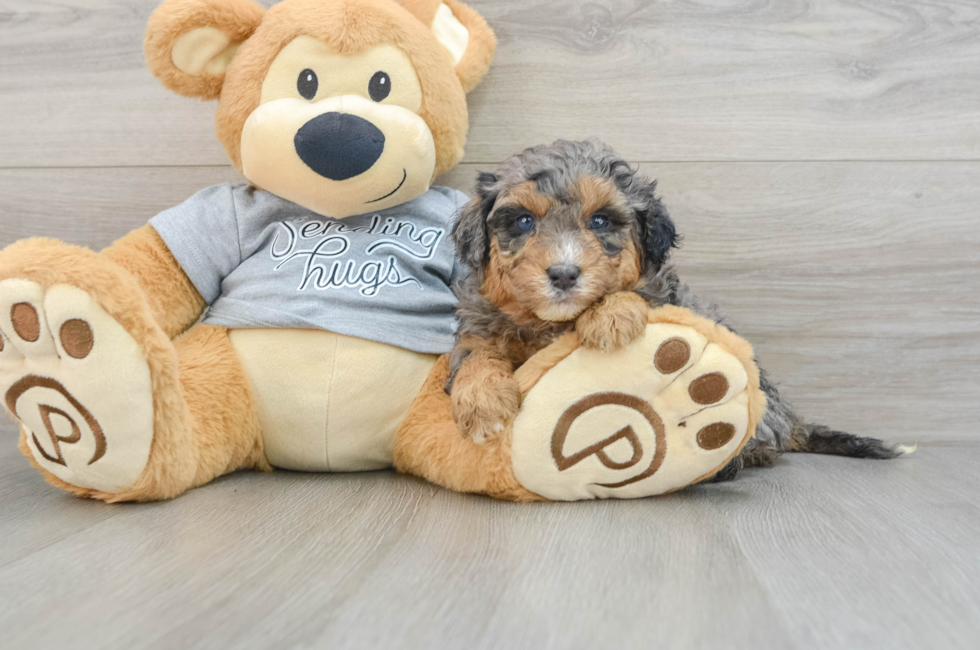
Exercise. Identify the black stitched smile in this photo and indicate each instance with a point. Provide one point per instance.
(404, 176)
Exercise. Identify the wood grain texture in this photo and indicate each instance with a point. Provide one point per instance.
(855, 282)
(722, 80)
(817, 553)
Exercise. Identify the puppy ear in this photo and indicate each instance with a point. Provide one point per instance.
(190, 43)
(657, 232)
(470, 233)
(462, 31)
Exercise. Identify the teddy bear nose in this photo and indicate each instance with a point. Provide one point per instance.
(339, 146)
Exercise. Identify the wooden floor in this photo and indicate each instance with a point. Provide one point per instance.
(821, 553)
(822, 159)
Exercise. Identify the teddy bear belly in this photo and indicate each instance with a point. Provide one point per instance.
(328, 402)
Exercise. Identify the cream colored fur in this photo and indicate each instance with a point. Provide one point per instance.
(205, 50)
(329, 402)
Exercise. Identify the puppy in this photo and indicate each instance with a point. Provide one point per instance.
(569, 236)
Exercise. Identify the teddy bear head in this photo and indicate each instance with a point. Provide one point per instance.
(341, 106)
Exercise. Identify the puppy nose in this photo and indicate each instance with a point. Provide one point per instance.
(564, 276)
(339, 146)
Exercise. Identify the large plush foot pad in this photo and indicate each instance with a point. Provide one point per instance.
(78, 384)
(666, 411)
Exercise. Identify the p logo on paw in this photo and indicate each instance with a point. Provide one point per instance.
(668, 410)
(588, 416)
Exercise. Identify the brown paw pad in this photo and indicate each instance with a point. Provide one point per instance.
(77, 338)
(672, 355)
(27, 324)
(709, 388)
(715, 436)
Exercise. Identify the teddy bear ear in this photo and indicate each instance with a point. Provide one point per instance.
(190, 43)
(462, 31)
(424, 10)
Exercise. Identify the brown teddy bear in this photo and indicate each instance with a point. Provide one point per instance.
(296, 321)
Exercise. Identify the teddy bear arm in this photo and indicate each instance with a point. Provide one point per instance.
(175, 302)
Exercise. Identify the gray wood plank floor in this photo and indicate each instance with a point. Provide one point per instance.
(817, 553)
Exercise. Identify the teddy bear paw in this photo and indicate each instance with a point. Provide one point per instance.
(666, 411)
(77, 383)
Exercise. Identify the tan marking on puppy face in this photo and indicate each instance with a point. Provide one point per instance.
(595, 193)
(526, 195)
(629, 267)
(523, 277)
(498, 287)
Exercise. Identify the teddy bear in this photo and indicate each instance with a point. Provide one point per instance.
(301, 320)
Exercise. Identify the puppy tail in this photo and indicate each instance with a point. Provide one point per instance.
(818, 439)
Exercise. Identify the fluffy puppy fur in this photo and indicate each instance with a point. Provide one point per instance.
(569, 236)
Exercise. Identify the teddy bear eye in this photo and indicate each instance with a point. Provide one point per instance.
(379, 86)
(307, 84)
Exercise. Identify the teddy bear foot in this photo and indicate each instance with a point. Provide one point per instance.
(77, 383)
(667, 411)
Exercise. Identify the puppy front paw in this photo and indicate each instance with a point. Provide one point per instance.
(484, 402)
(613, 323)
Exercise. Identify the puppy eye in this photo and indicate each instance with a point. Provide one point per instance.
(525, 223)
(379, 86)
(598, 222)
(307, 84)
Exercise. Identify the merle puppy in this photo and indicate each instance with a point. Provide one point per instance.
(555, 231)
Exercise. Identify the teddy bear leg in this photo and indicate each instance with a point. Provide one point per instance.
(223, 422)
(429, 445)
(109, 406)
(670, 409)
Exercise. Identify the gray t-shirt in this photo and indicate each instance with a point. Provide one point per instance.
(261, 261)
